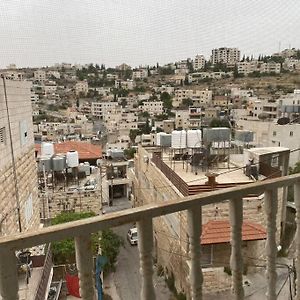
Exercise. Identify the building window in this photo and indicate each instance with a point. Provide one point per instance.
(291, 133)
(274, 133)
(2, 136)
(23, 132)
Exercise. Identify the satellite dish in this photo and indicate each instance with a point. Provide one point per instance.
(283, 121)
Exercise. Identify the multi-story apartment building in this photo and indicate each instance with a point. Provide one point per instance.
(228, 56)
(257, 66)
(125, 84)
(291, 64)
(81, 87)
(182, 119)
(39, 75)
(54, 74)
(13, 75)
(99, 109)
(50, 88)
(139, 74)
(123, 67)
(18, 180)
(270, 67)
(199, 97)
(263, 109)
(197, 76)
(199, 62)
(112, 76)
(289, 105)
(153, 107)
(247, 67)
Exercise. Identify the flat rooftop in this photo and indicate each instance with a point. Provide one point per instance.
(267, 150)
(196, 176)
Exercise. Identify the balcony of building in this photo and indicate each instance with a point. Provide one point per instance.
(81, 231)
(34, 270)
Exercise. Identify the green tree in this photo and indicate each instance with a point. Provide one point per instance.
(133, 133)
(146, 129)
(167, 100)
(110, 244)
(219, 123)
(52, 107)
(129, 153)
(64, 251)
(186, 103)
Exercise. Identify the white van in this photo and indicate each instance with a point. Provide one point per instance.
(132, 236)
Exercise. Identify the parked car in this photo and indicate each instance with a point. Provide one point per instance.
(72, 189)
(132, 236)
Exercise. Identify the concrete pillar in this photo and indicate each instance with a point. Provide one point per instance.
(145, 244)
(236, 258)
(8, 275)
(194, 219)
(297, 203)
(271, 207)
(84, 262)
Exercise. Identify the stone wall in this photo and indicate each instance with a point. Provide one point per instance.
(76, 202)
(21, 147)
(28, 199)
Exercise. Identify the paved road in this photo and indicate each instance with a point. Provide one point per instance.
(127, 278)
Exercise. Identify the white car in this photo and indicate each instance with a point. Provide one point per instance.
(132, 236)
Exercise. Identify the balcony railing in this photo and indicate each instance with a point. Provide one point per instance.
(81, 231)
(42, 287)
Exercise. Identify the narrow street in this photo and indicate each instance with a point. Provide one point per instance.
(125, 283)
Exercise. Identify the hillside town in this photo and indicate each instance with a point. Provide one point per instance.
(126, 145)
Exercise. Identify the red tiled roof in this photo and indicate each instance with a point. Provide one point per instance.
(217, 232)
(85, 150)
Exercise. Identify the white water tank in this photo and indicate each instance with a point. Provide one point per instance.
(47, 149)
(72, 159)
(178, 139)
(194, 138)
(158, 138)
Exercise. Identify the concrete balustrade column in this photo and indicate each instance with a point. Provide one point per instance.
(236, 258)
(8, 275)
(194, 219)
(145, 244)
(84, 262)
(271, 207)
(297, 203)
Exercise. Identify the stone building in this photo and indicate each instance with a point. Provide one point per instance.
(19, 208)
(159, 179)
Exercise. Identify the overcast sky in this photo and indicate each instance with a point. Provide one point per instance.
(43, 32)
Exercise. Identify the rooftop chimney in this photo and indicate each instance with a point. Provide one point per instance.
(211, 179)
